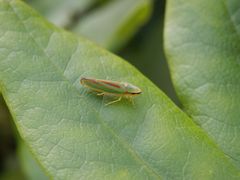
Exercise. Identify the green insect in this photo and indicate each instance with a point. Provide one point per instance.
(111, 88)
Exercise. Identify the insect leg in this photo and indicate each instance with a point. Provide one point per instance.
(100, 94)
(130, 98)
(119, 99)
(132, 101)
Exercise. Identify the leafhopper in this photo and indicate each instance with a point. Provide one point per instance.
(111, 88)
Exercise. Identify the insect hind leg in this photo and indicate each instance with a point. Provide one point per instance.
(111, 102)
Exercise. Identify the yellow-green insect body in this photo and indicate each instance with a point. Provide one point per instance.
(114, 88)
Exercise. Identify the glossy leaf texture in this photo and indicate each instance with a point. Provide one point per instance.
(71, 132)
(115, 23)
(203, 48)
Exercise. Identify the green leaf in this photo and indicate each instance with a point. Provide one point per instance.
(70, 131)
(115, 23)
(203, 46)
(60, 12)
(29, 165)
(147, 54)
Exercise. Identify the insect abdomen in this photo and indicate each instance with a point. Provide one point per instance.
(103, 86)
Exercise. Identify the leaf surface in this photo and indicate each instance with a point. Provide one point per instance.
(71, 132)
(29, 165)
(203, 46)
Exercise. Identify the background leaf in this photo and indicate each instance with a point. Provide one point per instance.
(61, 12)
(113, 24)
(70, 131)
(203, 46)
(145, 52)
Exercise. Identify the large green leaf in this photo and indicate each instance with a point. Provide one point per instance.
(70, 131)
(203, 46)
(115, 23)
